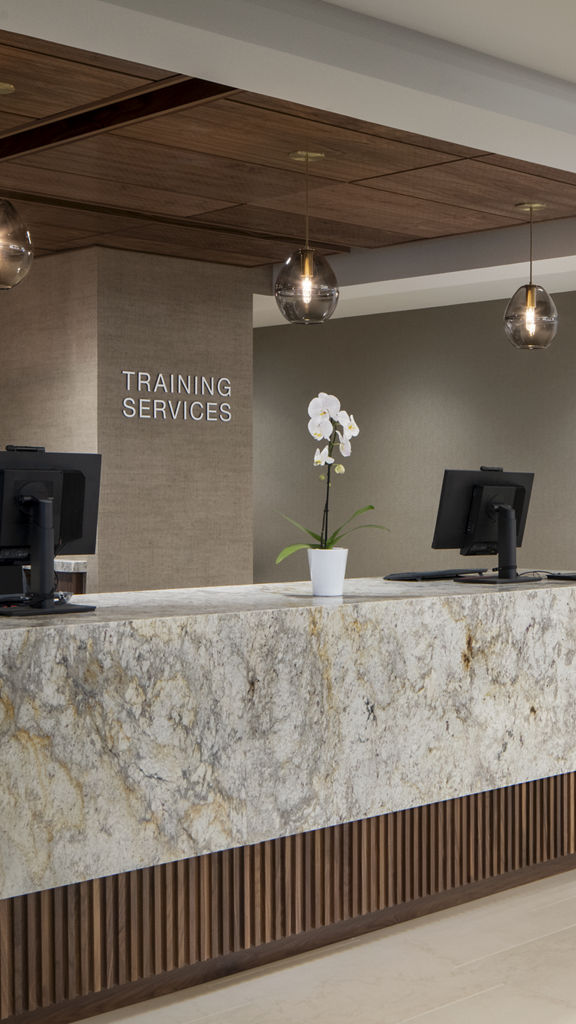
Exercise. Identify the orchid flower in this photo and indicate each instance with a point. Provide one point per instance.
(322, 458)
(322, 410)
(324, 404)
(321, 428)
(348, 423)
(345, 446)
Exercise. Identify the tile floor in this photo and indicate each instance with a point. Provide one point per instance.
(504, 959)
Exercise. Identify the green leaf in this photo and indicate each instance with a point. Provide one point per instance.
(291, 549)
(364, 526)
(337, 533)
(310, 533)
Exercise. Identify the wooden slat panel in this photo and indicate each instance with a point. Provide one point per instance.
(20, 956)
(95, 936)
(6, 959)
(123, 927)
(47, 949)
(147, 933)
(75, 941)
(194, 909)
(33, 950)
(204, 908)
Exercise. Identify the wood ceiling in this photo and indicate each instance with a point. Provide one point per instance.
(100, 151)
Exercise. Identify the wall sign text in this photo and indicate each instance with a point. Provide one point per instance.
(176, 396)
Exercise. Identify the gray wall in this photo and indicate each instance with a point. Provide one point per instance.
(430, 389)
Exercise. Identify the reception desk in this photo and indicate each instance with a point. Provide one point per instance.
(193, 781)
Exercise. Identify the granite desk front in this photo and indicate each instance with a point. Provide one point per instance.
(170, 724)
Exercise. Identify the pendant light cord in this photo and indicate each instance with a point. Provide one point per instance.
(531, 246)
(307, 243)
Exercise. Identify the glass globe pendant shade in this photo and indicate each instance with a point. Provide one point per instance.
(306, 288)
(16, 250)
(531, 318)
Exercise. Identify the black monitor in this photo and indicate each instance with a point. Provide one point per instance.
(483, 512)
(48, 507)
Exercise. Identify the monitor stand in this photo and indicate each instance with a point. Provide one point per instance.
(41, 600)
(507, 568)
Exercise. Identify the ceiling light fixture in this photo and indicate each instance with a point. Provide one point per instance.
(15, 246)
(306, 289)
(531, 318)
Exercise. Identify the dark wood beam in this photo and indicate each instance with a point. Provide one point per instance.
(126, 109)
(157, 218)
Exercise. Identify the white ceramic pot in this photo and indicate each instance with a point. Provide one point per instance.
(327, 571)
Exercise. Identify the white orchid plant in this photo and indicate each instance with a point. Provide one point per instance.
(328, 422)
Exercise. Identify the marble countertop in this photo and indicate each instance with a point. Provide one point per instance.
(133, 605)
(169, 724)
(69, 565)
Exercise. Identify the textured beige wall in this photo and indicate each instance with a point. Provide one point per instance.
(430, 389)
(49, 359)
(177, 494)
(48, 368)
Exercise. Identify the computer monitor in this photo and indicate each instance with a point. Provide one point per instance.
(48, 506)
(483, 512)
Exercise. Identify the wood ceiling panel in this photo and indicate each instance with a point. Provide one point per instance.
(403, 214)
(195, 238)
(257, 218)
(125, 161)
(352, 124)
(259, 136)
(87, 222)
(151, 101)
(47, 237)
(48, 85)
(15, 178)
(540, 170)
(186, 252)
(476, 185)
(224, 166)
(72, 53)
(10, 121)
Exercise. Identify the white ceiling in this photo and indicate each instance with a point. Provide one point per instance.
(537, 36)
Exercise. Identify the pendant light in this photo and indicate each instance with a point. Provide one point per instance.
(306, 288)
(531, 318)
(15, 246)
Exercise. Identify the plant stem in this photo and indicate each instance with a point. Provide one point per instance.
(324, 530)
